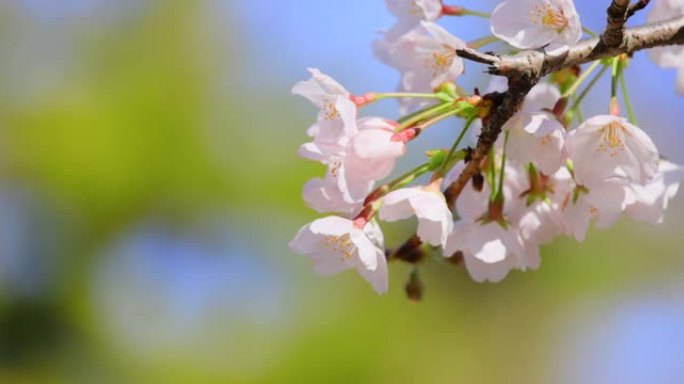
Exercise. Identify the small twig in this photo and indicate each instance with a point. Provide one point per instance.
(636, 7)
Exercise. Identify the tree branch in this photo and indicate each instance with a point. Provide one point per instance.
(636, 7)
(614, 34)
(670, 32)
(526, 69)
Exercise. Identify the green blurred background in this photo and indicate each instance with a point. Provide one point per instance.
(149, 185)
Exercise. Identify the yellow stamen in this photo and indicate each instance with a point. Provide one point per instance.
(547, 15)
(340, 245)
(439, 62)
(613, 139)
(330, 111)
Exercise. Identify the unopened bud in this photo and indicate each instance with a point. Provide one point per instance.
(362, 100)
(414, 287)
(478, 182)
(452, 10)
(614, 106)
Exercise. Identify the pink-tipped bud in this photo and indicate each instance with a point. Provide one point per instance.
(452, 10)
(614, 107)
(362, 100)
(406, 135)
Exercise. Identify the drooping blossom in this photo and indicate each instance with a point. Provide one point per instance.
(375, 149)
(324, 195)
(335, 244)
(410, 13)
(606, 146)
(602, 204)
(489, 250)
(337, 116)
(536, 138)
(669, 56)
(531, 24)
(653, 198)
(425, 56)
(435, 221)
(367, 156)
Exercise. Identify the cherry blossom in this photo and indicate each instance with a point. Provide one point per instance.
(335, 244)
(530, 24)
(653, 198)
(536, 138)
(603, 203)
(337, 116)
(435, 221)
(604, 145)
(489, 250)
(539, 180)
(324, 195)
(425, 56)
(375, 149)
(410, 13)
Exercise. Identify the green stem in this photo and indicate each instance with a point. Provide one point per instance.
(481, 42)
(438, 118)
(397, 95)
(445, 164)
(586, 90)
(589, 32)
(499, 194)
(583, 77)
(423, 114)
(409, 176)
(615, 72)
(469, 12)
(625, 95)
(491, 174)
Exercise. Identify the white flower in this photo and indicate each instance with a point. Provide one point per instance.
(542, 96)
(536, 138)
(602, 203)
(426, 56)
(336, 244)
(337, 117)
(365, 157)
(410, 13)
(490, 251)
(543, 220)
(374, 149)
(324, 195)
(608, 146)
(653, 198)
(435, 221)
(670, 56)
(530, 24)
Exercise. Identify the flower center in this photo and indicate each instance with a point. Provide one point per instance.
(414, 9)
(439, 62)
(335, 166)
(330, 111)
(612, 139)
(340, 245)
(547, 15)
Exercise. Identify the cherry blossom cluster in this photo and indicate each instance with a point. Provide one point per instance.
(551, 172)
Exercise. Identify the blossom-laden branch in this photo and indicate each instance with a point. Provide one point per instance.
(509, 195)
(525, 70)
